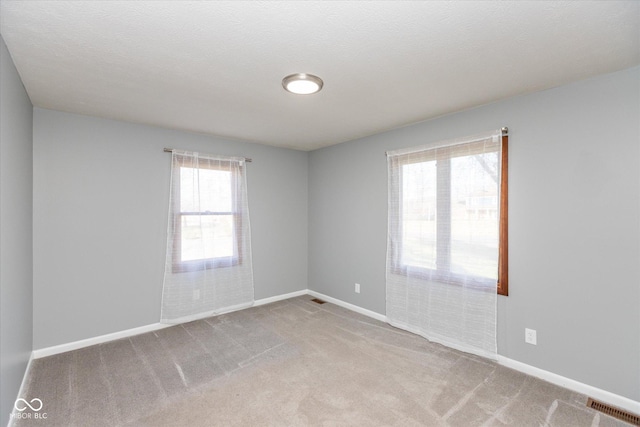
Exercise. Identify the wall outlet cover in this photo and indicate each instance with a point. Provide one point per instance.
(530, 336)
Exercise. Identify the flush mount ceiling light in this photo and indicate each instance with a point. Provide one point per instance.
(302, 84)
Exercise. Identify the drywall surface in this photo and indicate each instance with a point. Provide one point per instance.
(101, 191)
(574, 209)
(16, 256)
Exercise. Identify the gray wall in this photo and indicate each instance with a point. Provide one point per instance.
(574, 181)
(16, 208)
(100, 218)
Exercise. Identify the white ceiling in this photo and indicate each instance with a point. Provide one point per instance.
(216, 67)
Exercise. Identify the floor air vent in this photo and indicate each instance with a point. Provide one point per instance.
(318, 301)
(612, 411)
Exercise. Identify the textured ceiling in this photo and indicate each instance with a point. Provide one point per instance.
(216, 67)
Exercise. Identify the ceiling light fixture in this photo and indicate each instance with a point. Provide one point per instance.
(302, 83)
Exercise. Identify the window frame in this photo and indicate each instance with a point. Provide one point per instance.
(441, 274)
(179, 266)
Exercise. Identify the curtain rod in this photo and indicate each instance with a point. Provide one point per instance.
(170, 150)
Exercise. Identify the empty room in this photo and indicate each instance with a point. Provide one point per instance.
(320, 213)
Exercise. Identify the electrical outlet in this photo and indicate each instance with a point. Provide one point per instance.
(530, 336)
(357, 288)
(196, 294)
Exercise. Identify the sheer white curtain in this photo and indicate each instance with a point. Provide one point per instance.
(208, 260)
(443, 241)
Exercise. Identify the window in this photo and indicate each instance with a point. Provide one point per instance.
(208, 264)
(451, 214)
(207, 216)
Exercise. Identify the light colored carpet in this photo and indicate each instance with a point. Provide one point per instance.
(292, 363)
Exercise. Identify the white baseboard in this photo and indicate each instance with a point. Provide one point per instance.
(212, 313)
(62, 348)
(352, 307)
(277, 298)
(591, 391)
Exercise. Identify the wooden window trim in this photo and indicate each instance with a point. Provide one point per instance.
(503, 255)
